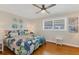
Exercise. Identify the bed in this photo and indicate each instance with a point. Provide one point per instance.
(23, 43)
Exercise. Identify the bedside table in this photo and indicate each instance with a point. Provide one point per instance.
(1, 45)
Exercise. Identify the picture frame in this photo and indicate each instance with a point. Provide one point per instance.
(73, 24)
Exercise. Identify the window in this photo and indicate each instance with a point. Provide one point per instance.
(48, 25)
(56, 24)
(59, 24)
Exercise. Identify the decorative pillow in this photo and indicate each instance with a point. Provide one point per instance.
(23, 32)
(12, 34)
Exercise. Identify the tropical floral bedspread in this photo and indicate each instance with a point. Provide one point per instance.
(24, 46)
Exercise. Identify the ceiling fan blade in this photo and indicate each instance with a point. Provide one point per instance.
(38, 12)
(51, 6)
(36, 6)
(43, 6)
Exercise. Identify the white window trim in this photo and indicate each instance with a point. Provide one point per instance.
(65, 24)
(43, 24)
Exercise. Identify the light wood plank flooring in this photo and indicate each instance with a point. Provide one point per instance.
(49, 49)
(53, 49)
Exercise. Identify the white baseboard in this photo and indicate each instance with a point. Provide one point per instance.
(68, 44)
(73, 45)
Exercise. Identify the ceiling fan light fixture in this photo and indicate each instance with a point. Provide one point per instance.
(43, 11)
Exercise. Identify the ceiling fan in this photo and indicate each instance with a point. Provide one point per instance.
(43, 8)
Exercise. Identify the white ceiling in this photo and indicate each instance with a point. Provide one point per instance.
(28, 10)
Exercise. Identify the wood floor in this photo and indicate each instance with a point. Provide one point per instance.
(7, 52)
(49, 49)
(53, 49)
